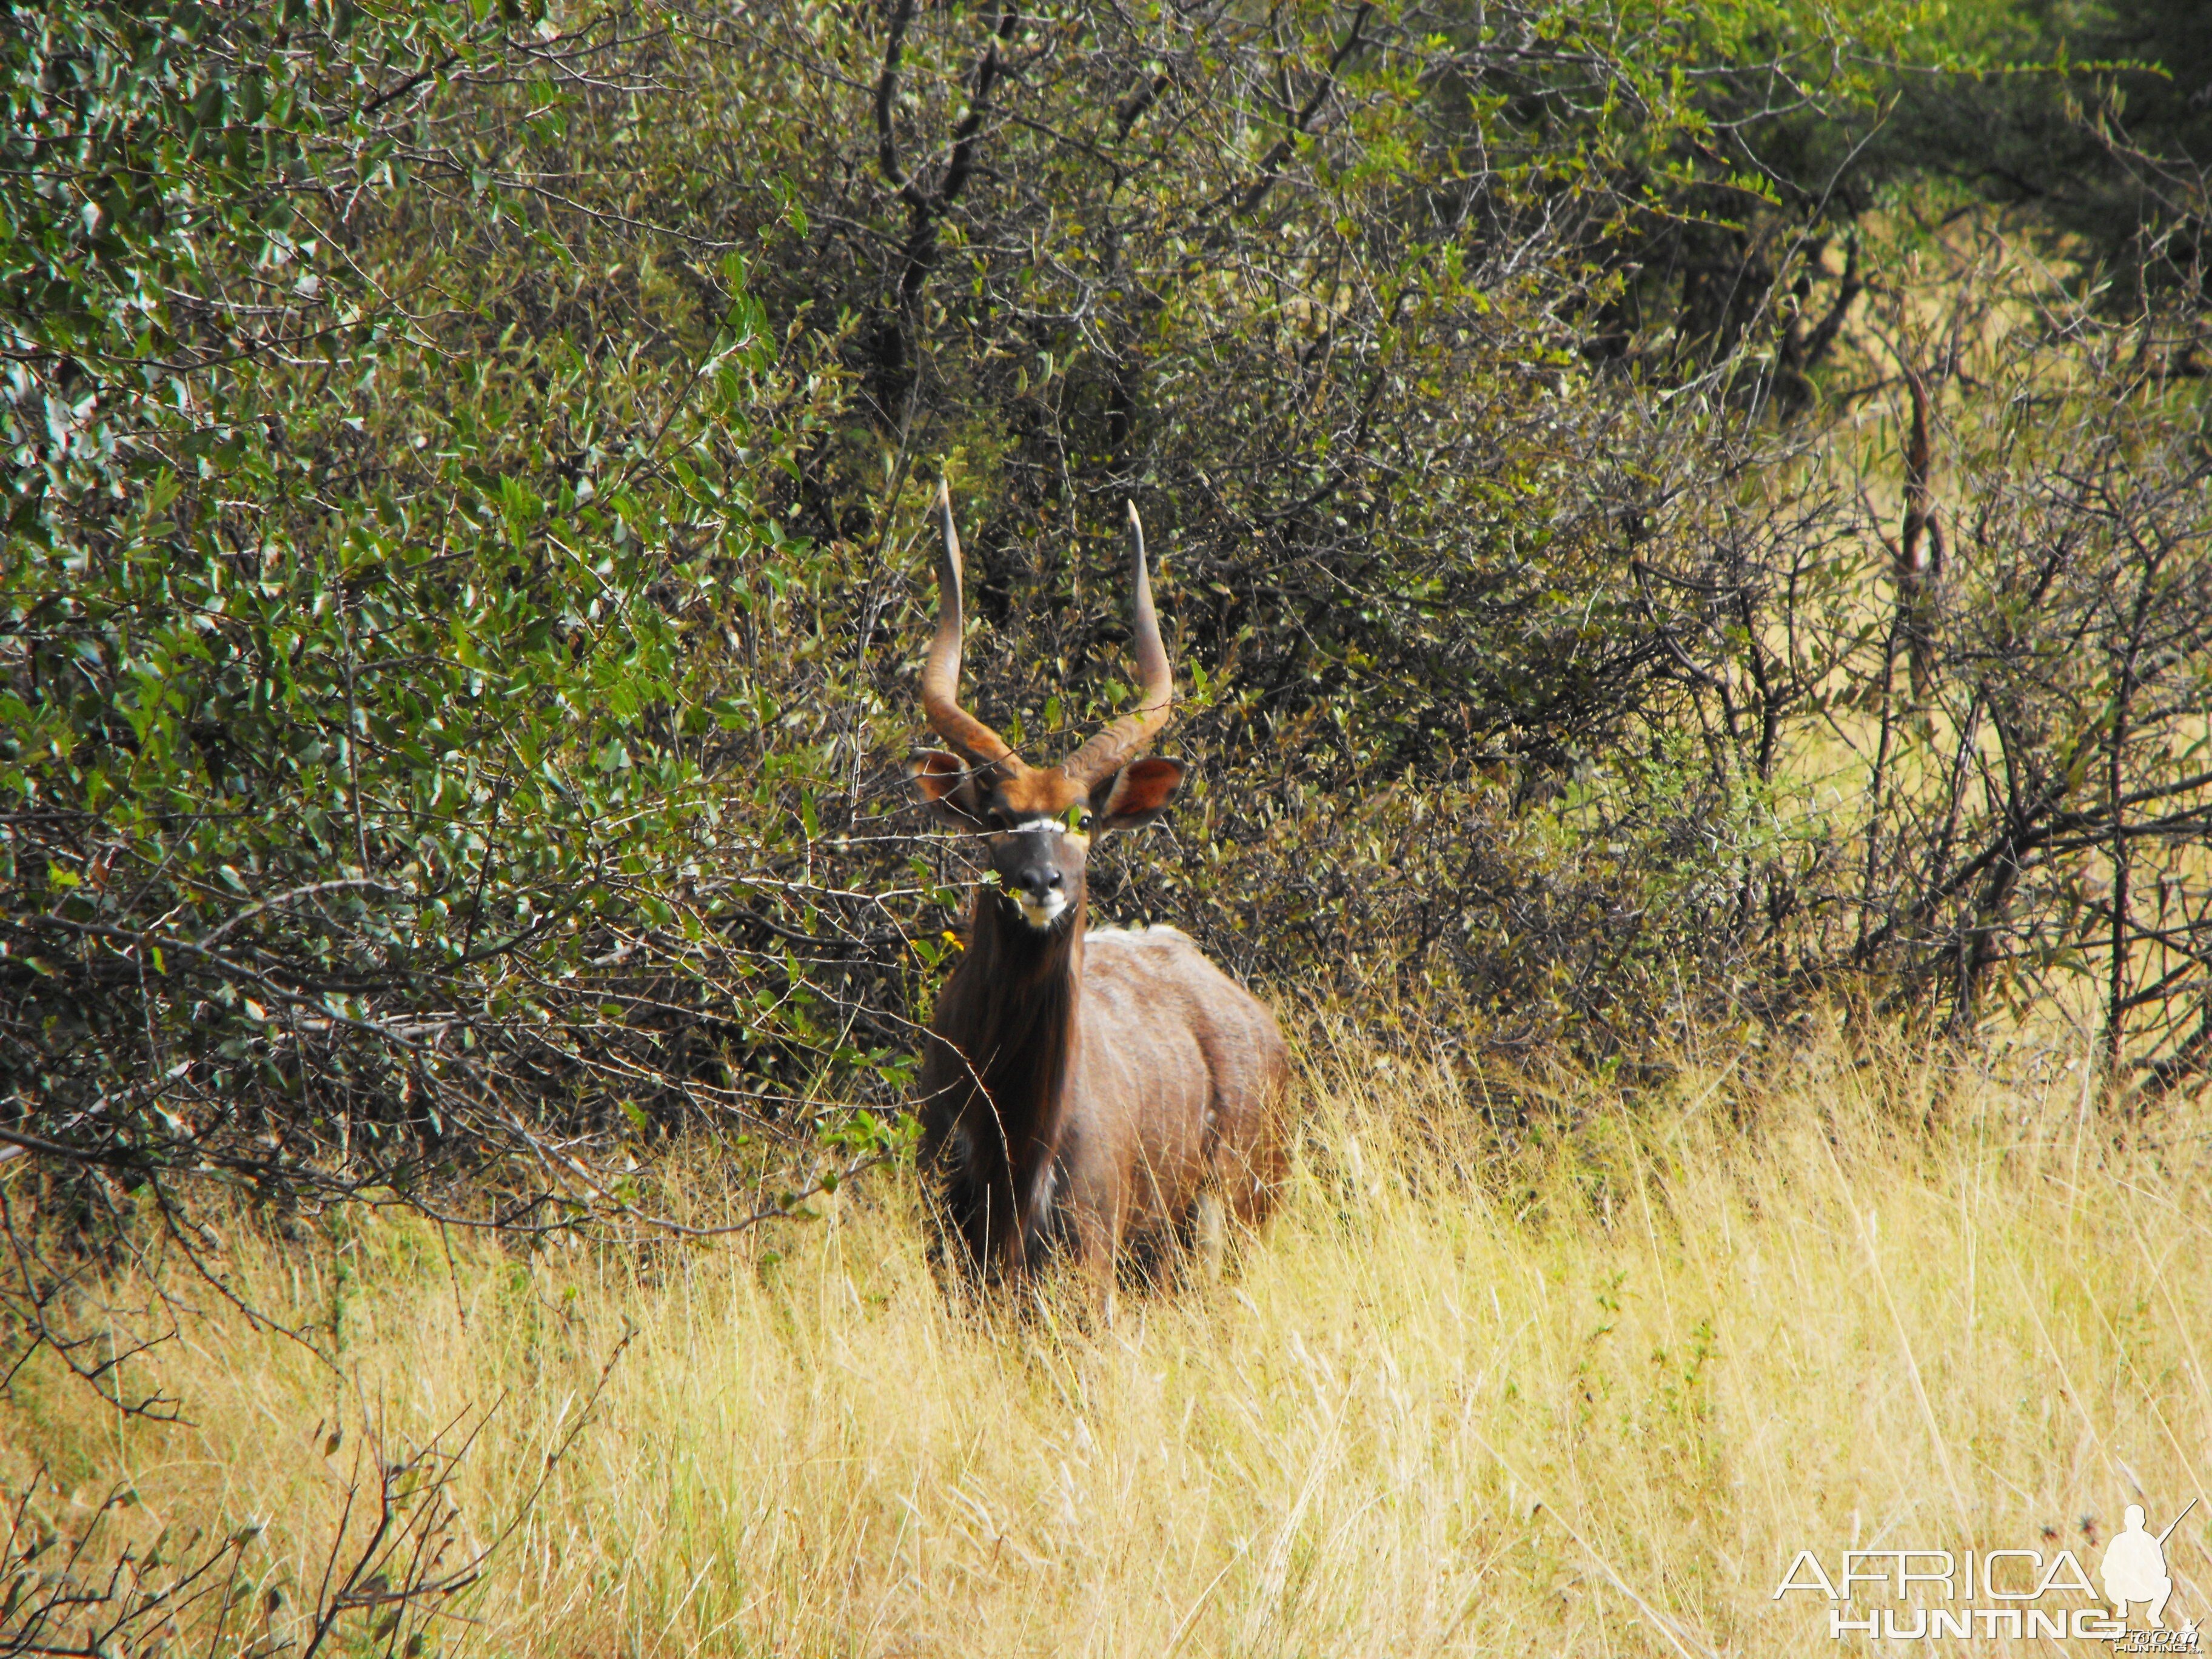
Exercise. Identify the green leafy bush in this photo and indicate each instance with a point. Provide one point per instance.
(391, 787)
(467, 535)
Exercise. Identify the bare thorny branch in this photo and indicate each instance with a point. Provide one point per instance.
(397, 1557)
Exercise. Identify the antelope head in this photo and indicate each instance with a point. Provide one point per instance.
(1037, 822)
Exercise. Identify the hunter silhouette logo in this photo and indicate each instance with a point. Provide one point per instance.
(2134, 1568)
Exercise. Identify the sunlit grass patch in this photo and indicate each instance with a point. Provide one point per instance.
(1590, 1393)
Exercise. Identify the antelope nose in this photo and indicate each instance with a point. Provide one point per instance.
(1037, 883)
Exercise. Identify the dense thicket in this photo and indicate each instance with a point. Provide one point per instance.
(1645, 537)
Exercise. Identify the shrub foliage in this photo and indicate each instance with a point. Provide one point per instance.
(1626, 559)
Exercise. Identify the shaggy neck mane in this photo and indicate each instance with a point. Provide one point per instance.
(1015, 1001)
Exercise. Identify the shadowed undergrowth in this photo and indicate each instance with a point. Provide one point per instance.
(1590, 1394)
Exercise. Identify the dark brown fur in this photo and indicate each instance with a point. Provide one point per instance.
(1112, 1092)
(1092, 1090)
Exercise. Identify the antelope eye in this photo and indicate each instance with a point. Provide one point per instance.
(1078, 819)
(994, 819)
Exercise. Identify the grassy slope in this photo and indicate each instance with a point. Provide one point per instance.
(1440, 1408)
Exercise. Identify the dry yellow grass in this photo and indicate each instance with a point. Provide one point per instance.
(1590, 1402)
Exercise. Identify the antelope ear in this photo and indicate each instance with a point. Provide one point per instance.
(1137, 793)
(948, 785)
